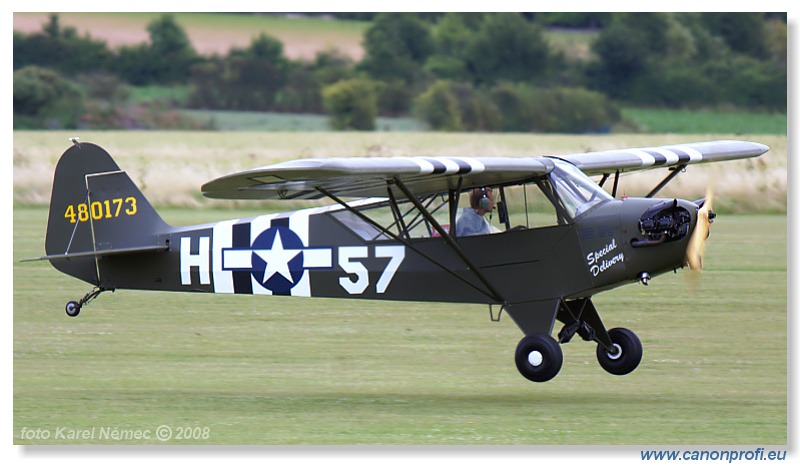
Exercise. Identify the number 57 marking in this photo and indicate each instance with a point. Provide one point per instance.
(348, 260)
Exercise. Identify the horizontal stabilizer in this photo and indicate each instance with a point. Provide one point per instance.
(98, 253)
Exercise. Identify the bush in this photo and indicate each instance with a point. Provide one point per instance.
(167, 59)
(438, 107)
(449, 106)
(396, 46)
(394, 98)
(247, 79)
(737, 80)
(573, 110)
(61, 49)
(478, 111)
(506, 47)
(515, 102)
(746, 82)
(351, 104)
(44, 99)
(674, 87)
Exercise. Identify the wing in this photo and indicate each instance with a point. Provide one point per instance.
(369, 176)
(626, 160)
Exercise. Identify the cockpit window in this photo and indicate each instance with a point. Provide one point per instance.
(554, 199)
(576, 191)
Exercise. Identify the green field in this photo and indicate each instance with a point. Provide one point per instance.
(683, 121)
(278, 121)
(651, 121)
(256, 370)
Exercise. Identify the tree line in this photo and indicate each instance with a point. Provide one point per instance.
(455, 71)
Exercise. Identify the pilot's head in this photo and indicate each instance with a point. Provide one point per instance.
(481, 200)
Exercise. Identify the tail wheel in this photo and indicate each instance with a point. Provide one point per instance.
(539, 357)
(72, 309)
(628, 352)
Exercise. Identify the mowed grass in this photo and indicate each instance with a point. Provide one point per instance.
(258, 370)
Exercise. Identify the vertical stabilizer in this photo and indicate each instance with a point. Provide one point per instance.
(95, 206)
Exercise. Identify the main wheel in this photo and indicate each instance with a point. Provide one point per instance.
(538, 357)
(628, 352)
(72, 309)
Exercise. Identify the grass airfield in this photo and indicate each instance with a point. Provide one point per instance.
(243, 370)
(289, 371)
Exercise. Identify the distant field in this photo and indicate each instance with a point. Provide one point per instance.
(275, 121)
(275, 371)
(171, 166)
(644, 120)
(215, 33)
(706, 121)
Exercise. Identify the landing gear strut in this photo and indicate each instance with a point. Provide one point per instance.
(73, 308)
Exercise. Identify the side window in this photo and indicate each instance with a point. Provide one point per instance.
(403, 219)
(359, 226)
(415, 222)
(529, 207)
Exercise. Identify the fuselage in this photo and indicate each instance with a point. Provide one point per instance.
(322, 252)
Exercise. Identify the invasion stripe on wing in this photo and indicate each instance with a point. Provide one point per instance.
(694, 154)
(647, 159)
(683, 157)
(659, 158)
(670, 156)
(448, 165)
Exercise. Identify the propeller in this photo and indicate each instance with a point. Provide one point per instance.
(697, 244)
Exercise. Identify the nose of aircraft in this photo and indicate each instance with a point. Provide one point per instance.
(666, 221)
(664, 227)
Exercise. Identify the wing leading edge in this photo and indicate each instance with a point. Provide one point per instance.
(369, 176)
(627, 160)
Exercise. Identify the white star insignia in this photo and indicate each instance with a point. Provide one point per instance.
(277, 259)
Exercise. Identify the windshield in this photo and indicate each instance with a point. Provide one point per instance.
(577, 192)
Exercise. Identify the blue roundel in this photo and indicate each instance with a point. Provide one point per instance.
(277, 259)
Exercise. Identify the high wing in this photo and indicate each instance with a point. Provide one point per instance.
(368, 176)
(627, 160)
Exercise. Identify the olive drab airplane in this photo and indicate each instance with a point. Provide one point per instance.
(391, 233)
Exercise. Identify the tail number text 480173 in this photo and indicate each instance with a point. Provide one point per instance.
(97, 210)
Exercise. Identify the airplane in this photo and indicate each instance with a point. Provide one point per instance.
(559, 239)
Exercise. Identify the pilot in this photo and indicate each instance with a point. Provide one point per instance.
(472, 221)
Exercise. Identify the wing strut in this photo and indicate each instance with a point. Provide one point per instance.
(494, 294)
(675, 171)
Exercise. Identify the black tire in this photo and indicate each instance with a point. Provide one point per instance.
(72, 309)
(539, 357)
(628, 357)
